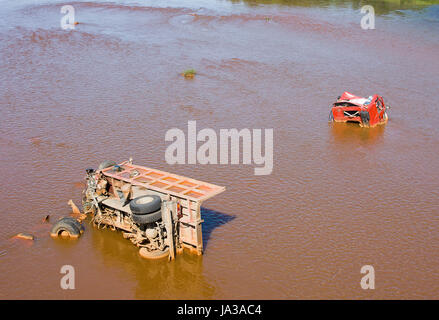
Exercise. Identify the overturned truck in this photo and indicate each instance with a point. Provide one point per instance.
(158, 211)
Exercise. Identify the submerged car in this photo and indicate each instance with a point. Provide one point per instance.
(368, 112)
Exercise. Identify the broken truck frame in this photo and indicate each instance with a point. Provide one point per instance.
(111, 189)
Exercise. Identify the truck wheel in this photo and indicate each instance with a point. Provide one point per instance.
(157, 254)
(147, 218)
(74, 222)
(145, 204)
(106, 164)
(65, 227)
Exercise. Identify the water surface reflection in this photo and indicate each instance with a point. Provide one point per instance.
(352, 133)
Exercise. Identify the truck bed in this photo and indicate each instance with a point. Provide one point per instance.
(164, 182)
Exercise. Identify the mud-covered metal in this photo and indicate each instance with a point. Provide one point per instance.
(164, 182)
(176, 224)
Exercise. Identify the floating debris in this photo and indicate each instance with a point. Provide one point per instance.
(75, 209)
(189, 74)
(24, 236)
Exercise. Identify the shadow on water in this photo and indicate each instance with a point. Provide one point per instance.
(212, 219)
(352, 133)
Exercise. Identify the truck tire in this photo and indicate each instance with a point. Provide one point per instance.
(75, 222)
(145, 204)
(147, 218)
(157, 254)
(64, 225)
(106, 164)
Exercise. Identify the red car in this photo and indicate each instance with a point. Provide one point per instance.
(368, 112)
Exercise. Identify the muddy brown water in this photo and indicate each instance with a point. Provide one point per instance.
(339, 197)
